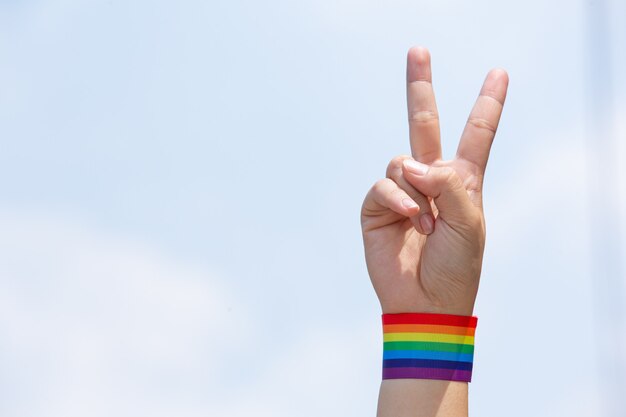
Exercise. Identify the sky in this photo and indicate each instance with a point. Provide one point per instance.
(180, 187)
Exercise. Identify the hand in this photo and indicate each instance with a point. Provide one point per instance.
(423, 225)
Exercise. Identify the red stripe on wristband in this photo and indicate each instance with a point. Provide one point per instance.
(430, 318)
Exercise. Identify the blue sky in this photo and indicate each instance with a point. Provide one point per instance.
(180, 187)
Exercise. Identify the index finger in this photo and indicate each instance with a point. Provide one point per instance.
(483, 120)
(422, 108)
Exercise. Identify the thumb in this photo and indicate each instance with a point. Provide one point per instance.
(444, 185)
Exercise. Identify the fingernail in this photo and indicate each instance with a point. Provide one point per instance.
(408, 203)
(427, 223)
(415, 167)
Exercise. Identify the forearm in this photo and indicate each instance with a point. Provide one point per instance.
(422, 398)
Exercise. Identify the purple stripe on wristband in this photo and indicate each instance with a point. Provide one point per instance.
(427, 373)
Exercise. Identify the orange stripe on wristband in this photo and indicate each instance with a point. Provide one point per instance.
(428, 328)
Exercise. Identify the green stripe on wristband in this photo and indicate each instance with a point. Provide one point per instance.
(434, 346)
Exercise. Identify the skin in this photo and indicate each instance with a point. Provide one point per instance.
(424, 228)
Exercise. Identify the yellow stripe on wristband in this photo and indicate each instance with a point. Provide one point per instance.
(428, 337)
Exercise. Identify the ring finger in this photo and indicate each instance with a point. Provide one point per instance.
(424, 221)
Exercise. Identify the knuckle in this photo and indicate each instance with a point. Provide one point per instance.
(482, 124)
(423, 116)
(380, 186)
(395, 165)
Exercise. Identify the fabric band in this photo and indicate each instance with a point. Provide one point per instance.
(428, 346)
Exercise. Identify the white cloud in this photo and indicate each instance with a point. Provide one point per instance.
(95, 323)
(98, 324)
(332, 371)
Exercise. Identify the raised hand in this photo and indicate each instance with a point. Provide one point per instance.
(423, 225)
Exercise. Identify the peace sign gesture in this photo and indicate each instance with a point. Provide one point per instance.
(423, 225)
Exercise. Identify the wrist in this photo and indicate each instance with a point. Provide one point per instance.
(460, 309)
(428, 293)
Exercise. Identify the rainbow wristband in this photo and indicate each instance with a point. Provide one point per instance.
(428, 346)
